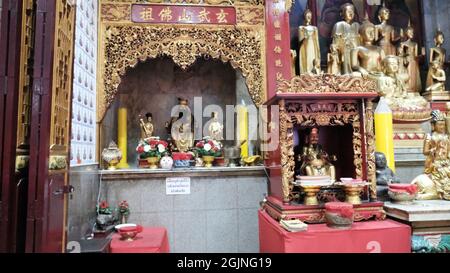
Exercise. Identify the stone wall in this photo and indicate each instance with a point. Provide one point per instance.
(220, 214)
(82, 203)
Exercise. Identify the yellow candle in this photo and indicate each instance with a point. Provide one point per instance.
(122, 137)
(384, 137)
(242, 115)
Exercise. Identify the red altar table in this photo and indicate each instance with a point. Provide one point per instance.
(365, 237)
(150, 240)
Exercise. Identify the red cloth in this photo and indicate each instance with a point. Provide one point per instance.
(150, 240)
(364, 237)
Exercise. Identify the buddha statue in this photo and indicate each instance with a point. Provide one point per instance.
(317, 70)
(146, 126)
(346, 36)
(385, 176)
(385, 35)
(393, 85)
(293, 61)
(184, 139)
(436, 73)
(215, 128)
(436, 78)
(309, 51)
(334, 61)
(411, 53)
(315, 161)
(366, 58)
(435, 183)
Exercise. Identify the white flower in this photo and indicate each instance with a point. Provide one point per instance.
(147, 148)
(161, 148)
(207, 147)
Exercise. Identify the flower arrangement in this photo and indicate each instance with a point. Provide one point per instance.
(209, 147)
(103, 208)
(152, 148)
(124, 208)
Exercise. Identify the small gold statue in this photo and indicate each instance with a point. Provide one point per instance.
(293, 61)
(309, 51)
(385, 35)
(435, 183)
(366, 58)
(317, 70)
(184, 139)
(438, 53)
(315, 161)
(334, 61)
(436, 78)
(146, 126)
(215, 128)
(411, 53)
(346, 36)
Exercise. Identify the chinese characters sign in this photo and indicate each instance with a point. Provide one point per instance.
(170, 14)
(278, 44)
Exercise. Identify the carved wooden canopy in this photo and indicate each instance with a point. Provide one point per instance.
(124, 44)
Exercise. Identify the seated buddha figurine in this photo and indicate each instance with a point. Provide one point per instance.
(385, 176)
(366, 58)
(315, 161)
(436, 78)
(435, 183)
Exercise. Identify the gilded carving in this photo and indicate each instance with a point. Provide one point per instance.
(198, 2)
(370, 139)
(326, 83)
(62, 71)
(115, 12)
(250, 15)
(126, 45)
(287, 153)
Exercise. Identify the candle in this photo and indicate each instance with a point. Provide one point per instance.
(122, 137)
(384, 137)
(242, 115)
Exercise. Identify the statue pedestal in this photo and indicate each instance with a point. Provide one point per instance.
(425, 217)
(437, 96)
(408, 135)
(430, 223)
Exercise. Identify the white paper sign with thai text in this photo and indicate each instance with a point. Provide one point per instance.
(178, 185)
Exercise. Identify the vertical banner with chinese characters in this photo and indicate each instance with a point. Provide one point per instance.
(183, 14)
(278, 44)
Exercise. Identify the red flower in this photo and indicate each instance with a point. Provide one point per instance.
(104, 205)
(200, 145)
(211, 143)
(140, 149)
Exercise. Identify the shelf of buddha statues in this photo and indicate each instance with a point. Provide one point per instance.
(182, 172)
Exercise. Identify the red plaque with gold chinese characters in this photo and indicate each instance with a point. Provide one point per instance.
(182, 14)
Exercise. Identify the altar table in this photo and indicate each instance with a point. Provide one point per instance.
(364, 237)
(150, 240)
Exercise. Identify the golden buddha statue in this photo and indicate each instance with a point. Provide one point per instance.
(334, 61)
(146, 126)
(184, 139)
(315, 161)
(411, 53)
(437, 55)
(215, 128)
(385, 35)
(393, 84)
(366, 58)
(309, 51)
(436, 78)
(346, 36)
(293, 61)
(435, 183)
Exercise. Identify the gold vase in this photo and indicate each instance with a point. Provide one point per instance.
(153, 162)
(311, 195)
(208, 160)
(352, 194)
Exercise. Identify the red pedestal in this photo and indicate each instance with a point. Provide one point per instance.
(365, 237)
(150, 240)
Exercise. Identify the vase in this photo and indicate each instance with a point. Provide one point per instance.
(123, 219)
(153, 162)
(208, 160)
